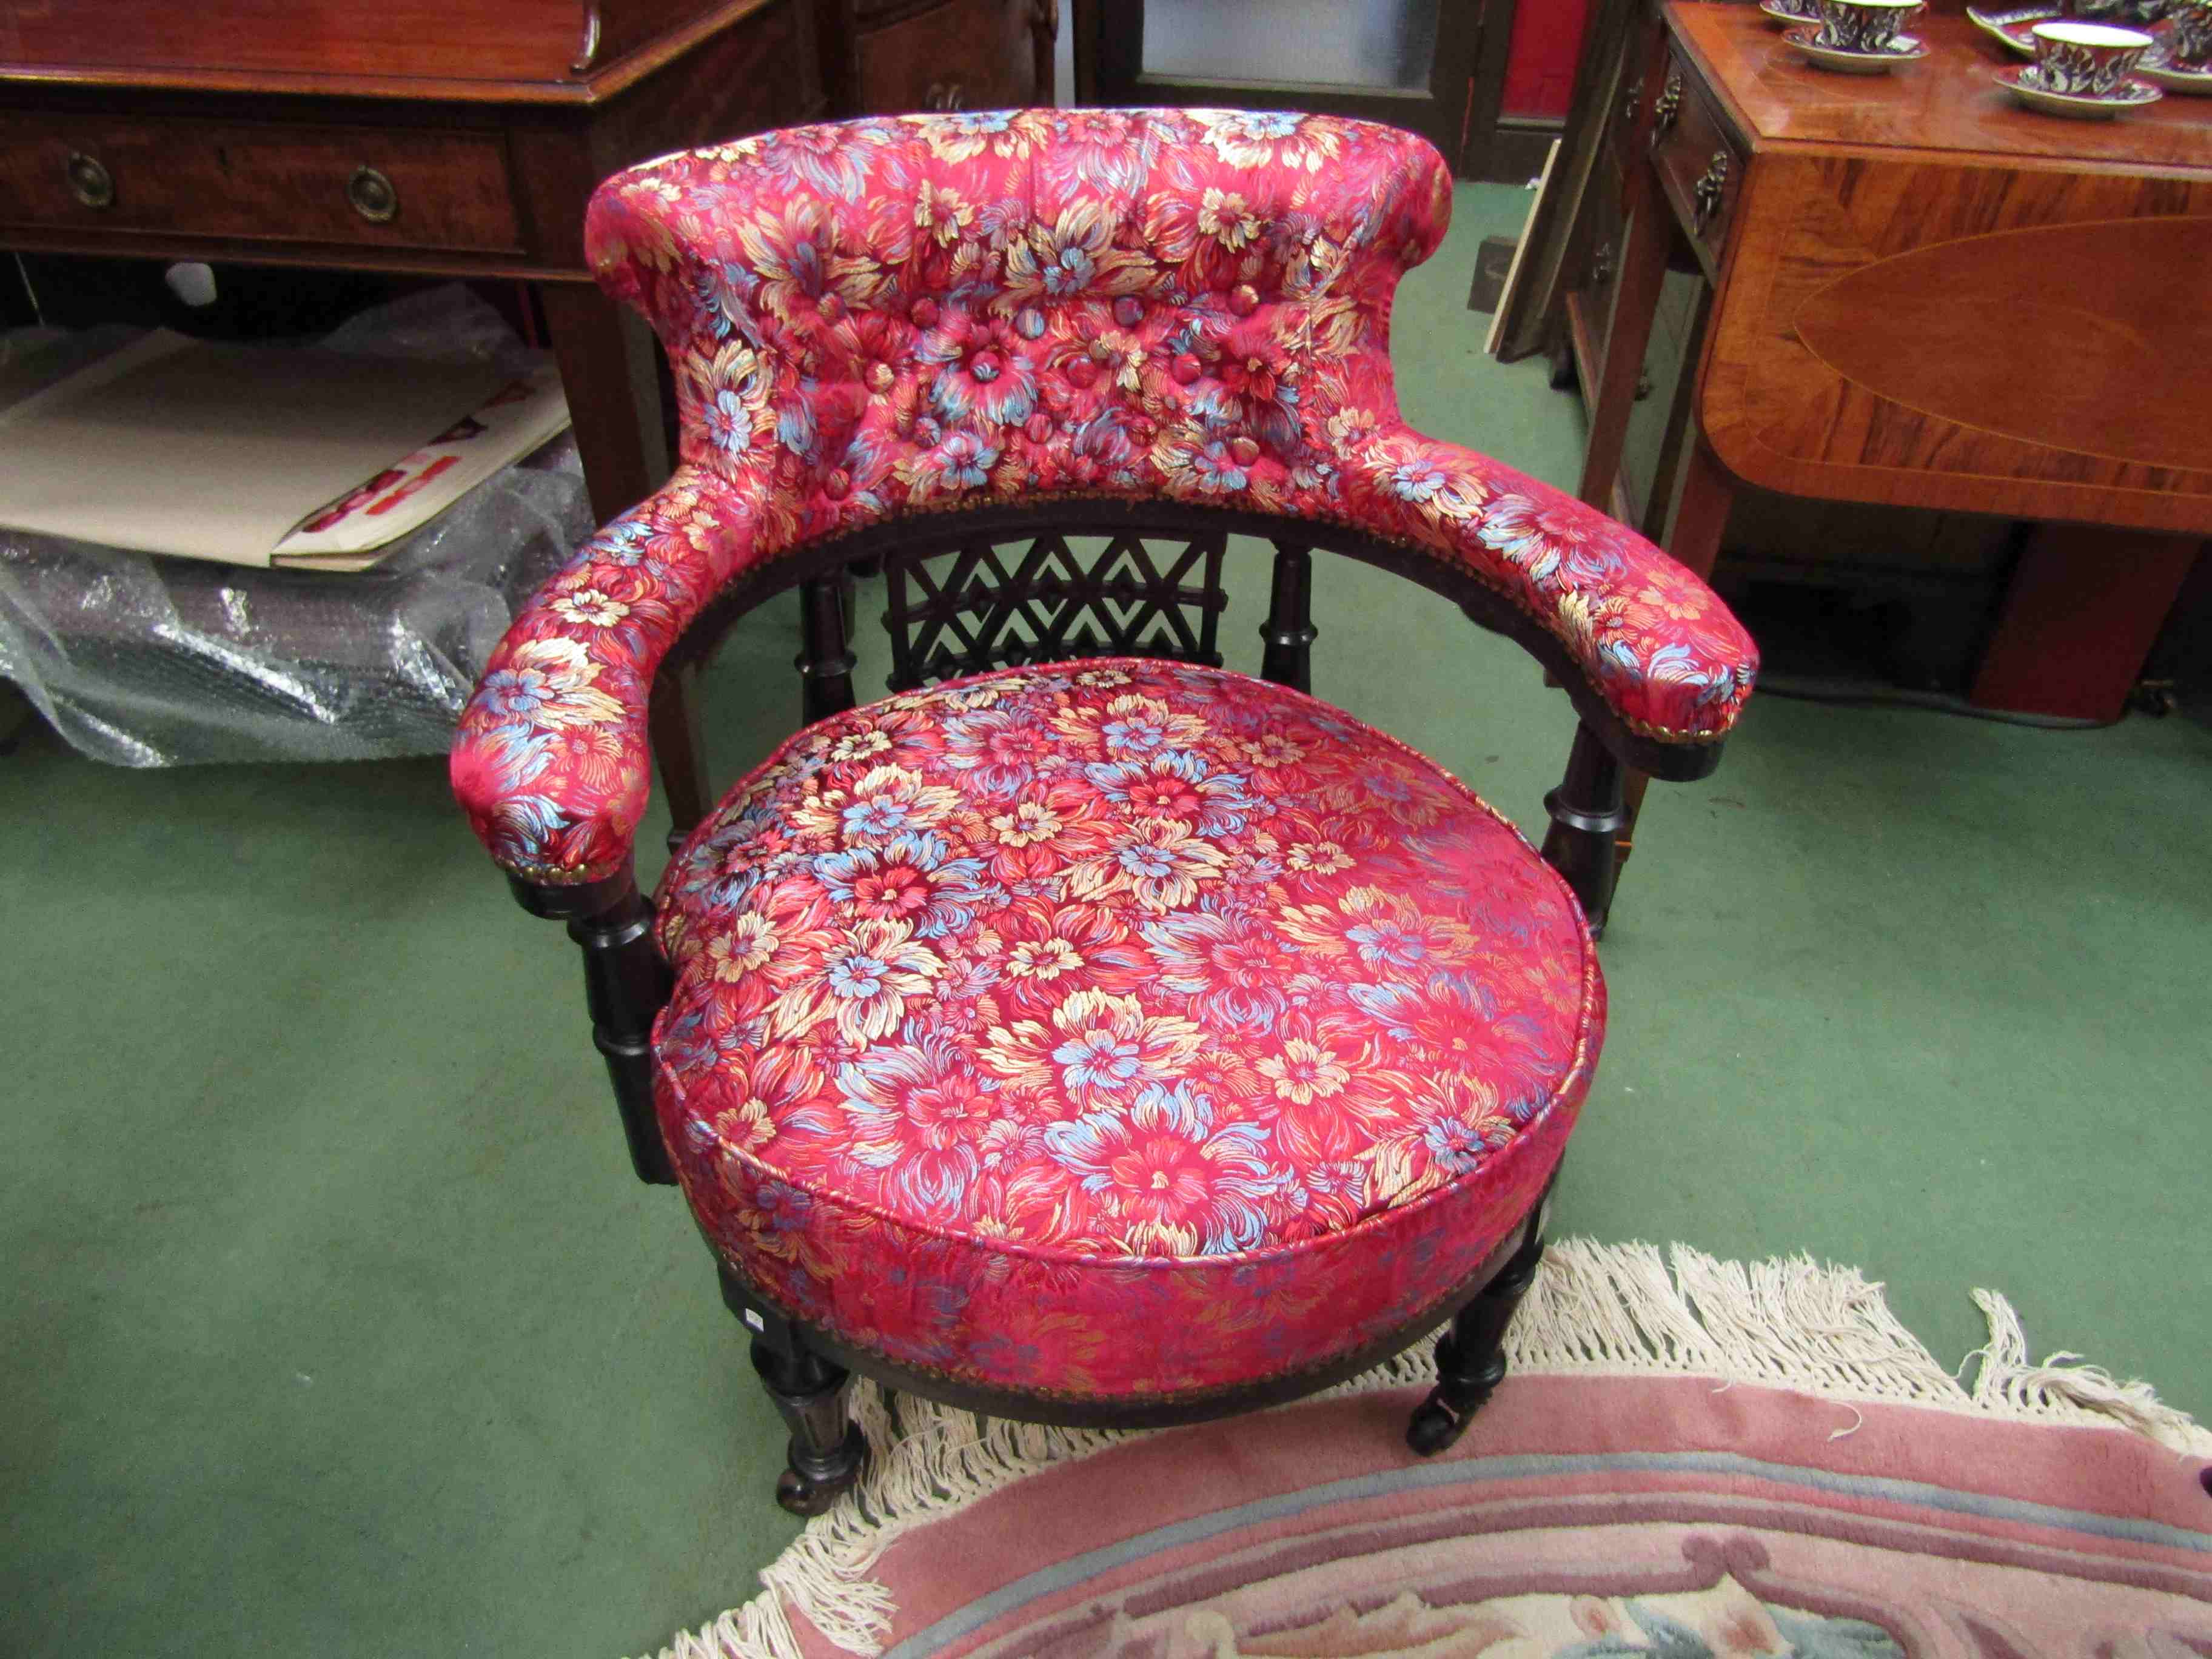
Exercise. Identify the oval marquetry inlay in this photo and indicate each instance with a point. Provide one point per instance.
(2095, 338)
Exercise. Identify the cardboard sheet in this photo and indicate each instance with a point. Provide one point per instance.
(217, 452)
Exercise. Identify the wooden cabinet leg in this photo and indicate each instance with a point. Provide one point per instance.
(1644, 242)
(2082, 611)
(1693, 535)
(1679, 446)
(609, 370)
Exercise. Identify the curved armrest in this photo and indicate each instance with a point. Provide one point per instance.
(551, 762)
(1659, 645)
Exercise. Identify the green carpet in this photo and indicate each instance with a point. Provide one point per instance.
(336, 1325)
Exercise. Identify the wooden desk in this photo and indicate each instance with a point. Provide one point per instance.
(1921, 294)
(451, 137)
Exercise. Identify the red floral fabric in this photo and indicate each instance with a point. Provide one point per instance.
(920, 314)
(1121, 1029)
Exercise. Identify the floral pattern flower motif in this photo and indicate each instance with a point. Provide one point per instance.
(918, 312)
(1047, 1044)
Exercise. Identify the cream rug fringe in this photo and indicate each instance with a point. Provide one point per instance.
(1596, 1310)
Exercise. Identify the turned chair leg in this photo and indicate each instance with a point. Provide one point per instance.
(1471, 1356)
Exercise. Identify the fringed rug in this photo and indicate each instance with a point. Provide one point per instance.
(1718, 1460)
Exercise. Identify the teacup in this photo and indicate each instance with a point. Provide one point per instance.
(2127, 13)
(1864, 25)
(2086, 60)
(2189, 34)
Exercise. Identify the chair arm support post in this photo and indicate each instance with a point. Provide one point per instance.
(825, 660)
(1587, 816)
(1289, 632)
(626, 985)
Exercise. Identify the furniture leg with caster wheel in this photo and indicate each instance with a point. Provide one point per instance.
(1471, 1356)
(827, 1448)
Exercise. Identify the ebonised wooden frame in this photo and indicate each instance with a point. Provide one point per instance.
(1054, 592)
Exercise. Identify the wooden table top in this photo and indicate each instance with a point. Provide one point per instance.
(1948, 101)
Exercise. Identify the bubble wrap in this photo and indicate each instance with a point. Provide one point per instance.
(146, 661)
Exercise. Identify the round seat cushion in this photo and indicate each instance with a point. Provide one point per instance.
(1120, 1029)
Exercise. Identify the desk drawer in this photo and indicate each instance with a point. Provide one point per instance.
(1699, 165)
(266, 181)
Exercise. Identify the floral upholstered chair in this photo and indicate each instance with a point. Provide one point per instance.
(1084, 1033)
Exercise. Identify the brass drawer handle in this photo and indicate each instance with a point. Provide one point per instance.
(945, 95)
(1634, 97)
(1602, 265)
(89, 182)
(1669, 109)
(1705, 195)
(372, 196)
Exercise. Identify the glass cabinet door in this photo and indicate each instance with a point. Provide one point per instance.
(1379, 44)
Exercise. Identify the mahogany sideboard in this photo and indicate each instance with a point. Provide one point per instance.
(455, 138)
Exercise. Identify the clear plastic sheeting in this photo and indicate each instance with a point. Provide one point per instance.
(145, 661)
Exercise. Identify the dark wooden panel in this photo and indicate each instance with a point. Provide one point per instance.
(258, 179)
(967, 54)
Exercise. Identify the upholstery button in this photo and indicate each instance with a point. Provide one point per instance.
(1185, 369)
(1030, 323)
(1038, 428)
(1082, 374)
(1244, 450)
(1244, 299)
(880, 377)
(924, 312)
(838, 485)
(1128, 310)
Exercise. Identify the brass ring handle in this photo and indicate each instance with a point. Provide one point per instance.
(945, 95)
(1635, 96)
(89, 182)
(1665, 113)
(1705, 195)
(372, 196)
(1602, 265)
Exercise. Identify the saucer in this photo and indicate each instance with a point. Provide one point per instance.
(2196, 82)
(1777, 13)
(2014, 27)
(1899, 49)
(2010, 25)
(2131, 94)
